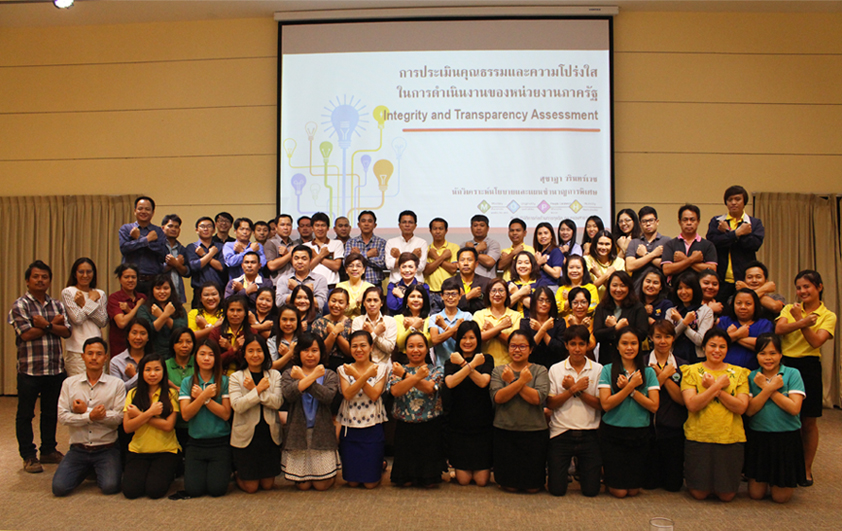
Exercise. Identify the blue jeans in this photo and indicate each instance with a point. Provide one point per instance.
(29, 388)
(78, 463)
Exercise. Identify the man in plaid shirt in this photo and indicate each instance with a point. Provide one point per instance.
(39, 322)
(371, 246)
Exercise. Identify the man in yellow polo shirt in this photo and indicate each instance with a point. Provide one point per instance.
(441, 262)
(517, 233)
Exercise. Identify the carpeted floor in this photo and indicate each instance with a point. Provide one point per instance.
(27, 503)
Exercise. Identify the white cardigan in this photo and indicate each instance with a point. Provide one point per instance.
(247, 414)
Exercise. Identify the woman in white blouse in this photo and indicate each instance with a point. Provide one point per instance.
(86, 310)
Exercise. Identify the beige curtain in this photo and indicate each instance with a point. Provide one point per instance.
(803, 232)
(56, 230)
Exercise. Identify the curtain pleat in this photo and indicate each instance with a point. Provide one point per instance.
(56, 230)
(803, 232)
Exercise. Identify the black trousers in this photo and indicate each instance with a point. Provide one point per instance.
(29, 389)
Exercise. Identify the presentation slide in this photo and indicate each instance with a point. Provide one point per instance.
(448, 133)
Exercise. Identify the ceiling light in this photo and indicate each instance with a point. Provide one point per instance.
(63, 4)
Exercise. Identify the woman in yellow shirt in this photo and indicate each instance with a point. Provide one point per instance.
(716, 396)
(497, 321)
(804, 327)
(575, 274)
(355, 265)
(202, 320)
(603, 261)
(153, 453)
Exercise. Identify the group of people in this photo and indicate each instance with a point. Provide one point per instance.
(629, 358)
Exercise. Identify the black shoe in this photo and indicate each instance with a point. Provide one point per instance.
(806, 483)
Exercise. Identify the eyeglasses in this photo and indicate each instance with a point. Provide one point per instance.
(205, 226)
(579, 303)
(449, 295)
(648, 221)
(518, 348)
(498, 291)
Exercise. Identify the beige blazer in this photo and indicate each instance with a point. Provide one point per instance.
(246, 408)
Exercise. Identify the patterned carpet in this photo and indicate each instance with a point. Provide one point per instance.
(29, 505)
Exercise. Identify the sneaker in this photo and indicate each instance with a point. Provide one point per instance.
(52, 458)
(32, 465)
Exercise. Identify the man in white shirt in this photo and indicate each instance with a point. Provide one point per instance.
(91, 406)
(407, 242)
(574, 424)
(327, 253)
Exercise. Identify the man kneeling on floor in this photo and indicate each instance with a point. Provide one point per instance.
(91, 406)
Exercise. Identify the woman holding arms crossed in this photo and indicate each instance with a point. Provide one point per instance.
(804, 327)
(497, 321)
(122, 307)
(419, 456)
(206, 408)
(362, 414)
(470, 414)
(774, 452)
(255, 393)
(209, 314)
(518, 390)
(310, 458)
(150, 412)
(716, 396)
(628, 393)
(383, 328)
(86, 309)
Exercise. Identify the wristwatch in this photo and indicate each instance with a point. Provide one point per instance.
(48, 327)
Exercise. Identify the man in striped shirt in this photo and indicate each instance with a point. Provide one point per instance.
(39, 322)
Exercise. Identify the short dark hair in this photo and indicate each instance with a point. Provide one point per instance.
(479, 217)
(320, 216)
(467, 250)
(716, 332)
(120, 269)
(663, 326)
(38, 264)
(407, 257)
(225, 215)
(203, 218)
(692, 208)
(251, 253)
(171, 217)
(408, 213)
(452, 284)
(279, 216)
(302, 218)
(440, 220)
(733, 306)
(240, 221)
(645, 211)
(260, 224)
(519, 222)
(92, 340)
(759, 265)
(352, 257)
(576, 332)
(765, 338)
(144, 198)
(302, 247)
(571, 295)
(735, 190)
(305, 341)
(371, 213)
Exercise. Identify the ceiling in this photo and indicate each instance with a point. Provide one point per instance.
(42, 13)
